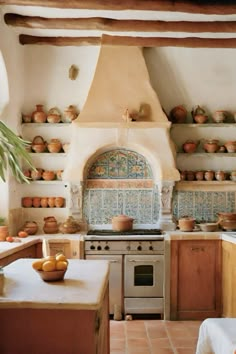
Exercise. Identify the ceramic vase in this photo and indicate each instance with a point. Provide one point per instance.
(39, 116)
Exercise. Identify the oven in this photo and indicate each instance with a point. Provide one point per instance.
(136, 282)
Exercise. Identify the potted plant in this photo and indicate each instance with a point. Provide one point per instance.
(3, 229)
(12, 154)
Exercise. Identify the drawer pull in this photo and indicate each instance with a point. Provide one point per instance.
(143, 261)
(198, 249)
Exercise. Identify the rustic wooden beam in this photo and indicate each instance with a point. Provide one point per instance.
(105, 24)
(190, 42)
(220, 7)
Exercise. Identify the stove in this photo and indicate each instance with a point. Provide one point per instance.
(131, 235)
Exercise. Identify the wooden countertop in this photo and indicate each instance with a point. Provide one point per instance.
(83, 287)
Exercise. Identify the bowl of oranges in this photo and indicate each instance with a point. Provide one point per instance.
(51, 268)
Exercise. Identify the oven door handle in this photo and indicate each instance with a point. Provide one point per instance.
(144, 261)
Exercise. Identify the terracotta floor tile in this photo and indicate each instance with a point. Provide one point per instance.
(184, 342)
(186, 350)
(153, 332)
(162, 351)
(161, 343)
(117, 344)
(136, 333)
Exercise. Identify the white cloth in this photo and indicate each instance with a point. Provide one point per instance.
(217, 336)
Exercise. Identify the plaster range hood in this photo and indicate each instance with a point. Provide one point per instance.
(121, 91)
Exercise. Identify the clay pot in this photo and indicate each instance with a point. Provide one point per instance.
(39, 116)
(220, 175)
(4, 232)
(54, 146)
(38, 144)
(70, 114)
(53, 116)
(209, 175)
(70, 226)
(59, 202)
(183, 175)
(219, 116)
(200, 118)
(26, 118)
(27, 173)
(27, 202)
(178, 114)
(48, 175)
(50, 225)
(190, 176)
(66, 147)
(230, 146)
(186, 223)
(51, 202)
(190, 146)
(199, 175)
(31, 227)
(44, 202)
(59, 174)
(36, 174)
(122, 223)
(211, 146)
(36, 201)
(233, 176)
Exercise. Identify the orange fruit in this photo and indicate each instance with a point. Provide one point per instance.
(49, 266)
(61, 257)
(22, 233)
(9, 239)
(61, 265)
(37, 265)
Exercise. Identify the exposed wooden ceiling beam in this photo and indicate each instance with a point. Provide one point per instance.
(105, 24)
(191, 42)
(188, 6)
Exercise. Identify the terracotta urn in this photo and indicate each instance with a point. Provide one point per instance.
(230, 146)
(211, 146)
(190, 146)
(39, 116)
(50, 225)
(186, 223)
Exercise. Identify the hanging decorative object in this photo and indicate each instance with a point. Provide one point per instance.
(73, 72)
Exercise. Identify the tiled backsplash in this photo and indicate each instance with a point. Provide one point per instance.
(120, 182)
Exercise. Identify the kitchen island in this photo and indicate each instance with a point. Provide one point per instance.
(63, 317)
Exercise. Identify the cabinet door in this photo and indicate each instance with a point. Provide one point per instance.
(196, 279)
(229, 279)
(28, 252)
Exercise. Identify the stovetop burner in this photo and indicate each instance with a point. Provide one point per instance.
(140, 232)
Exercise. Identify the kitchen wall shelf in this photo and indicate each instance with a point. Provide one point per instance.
(205, 186)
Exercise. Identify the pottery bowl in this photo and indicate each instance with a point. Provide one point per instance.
(52, 276)
(209, 226)
(228, 225)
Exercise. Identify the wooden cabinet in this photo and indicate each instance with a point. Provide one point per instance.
(228, 279)
(195, 289)
(34, 251)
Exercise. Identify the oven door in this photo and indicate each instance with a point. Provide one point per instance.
(144, 275)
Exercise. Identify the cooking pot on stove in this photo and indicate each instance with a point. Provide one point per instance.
(122, 223)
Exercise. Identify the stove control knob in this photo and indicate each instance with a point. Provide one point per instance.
(99, 248)
(106, 248)
(92, 247)
(128, 248)
(139, 248)
(150, 248)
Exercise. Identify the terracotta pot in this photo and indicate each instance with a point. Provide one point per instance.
(199, 175)
(36, 174)
(220, 175)
(31, 227)
(122, 223)
(39, 116)
(183, 175)
(233, 176)
(190, 146)
(51, 202)
(59, 202)
(186, 223)
(26, 118)
(219, 116)
(4, 232)
(190, 176)
(48, 175)
(27, 202)
(36, 201)
(70, 226)
(200, 118)
(230, 146)
(178, 114)
(209, 175)
(50, 225)
(70, 114)
(44, 202)
(59, 174)
(54, 146)
(211, 146)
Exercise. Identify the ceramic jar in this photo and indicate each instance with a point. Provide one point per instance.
(211, 146)
(122, 223)
(51, 202)
(39, 116)
(200, 118)
(70, 114)
(230, 146)
(59, 174)
(26, 118)
(36, 174)
(59, 202)
(38, 144)
(189, 146)
(186, 223)
(48, 175)
(27, 202)
(178, 114)
(220, 175)
(36, 202)
(209, 175)
(190, 176)
(219, 116)
(233, 176)
(50, 225)
(54, 146)
(183, 175)
(44, 202)
(53, 116)
(199, 175)
(31, 227)
(70, 226)
(4, 232)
